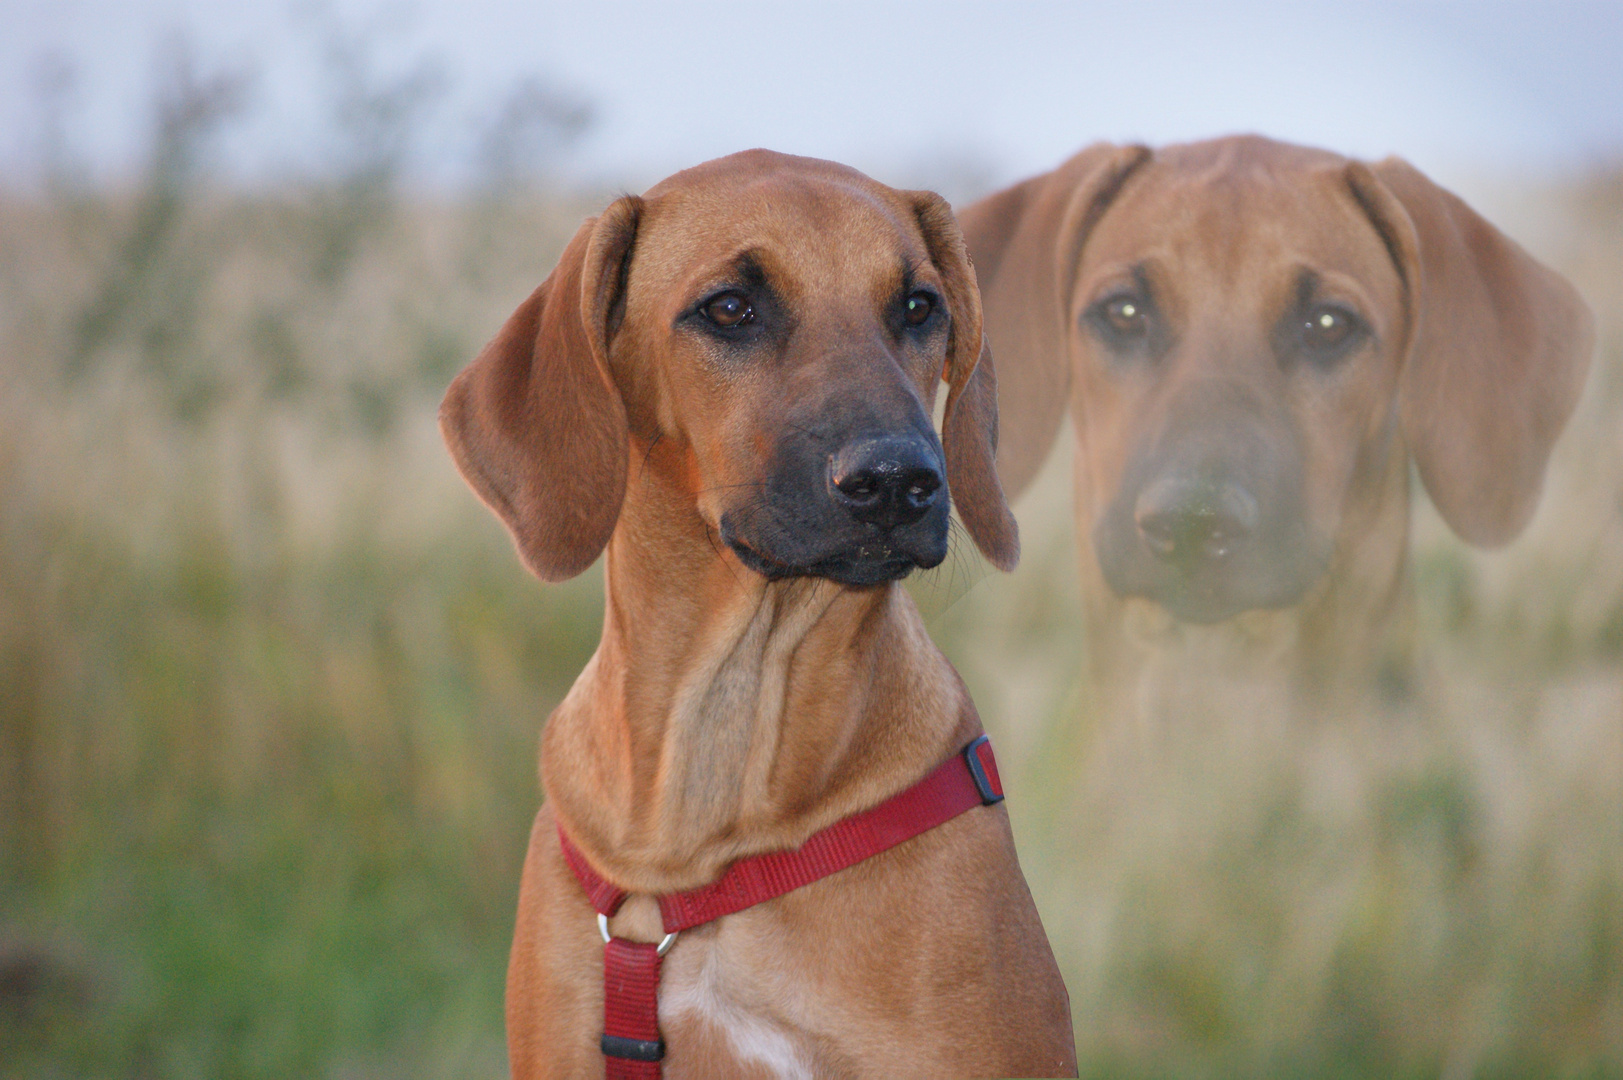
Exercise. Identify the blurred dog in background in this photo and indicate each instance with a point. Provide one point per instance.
(1255, 340)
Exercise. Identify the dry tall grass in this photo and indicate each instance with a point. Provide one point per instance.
(271, 683)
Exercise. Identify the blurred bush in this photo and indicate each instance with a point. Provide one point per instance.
(271, 681)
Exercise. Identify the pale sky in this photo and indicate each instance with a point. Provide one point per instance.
(906, 91)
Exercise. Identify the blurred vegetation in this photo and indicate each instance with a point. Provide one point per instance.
(271, 681)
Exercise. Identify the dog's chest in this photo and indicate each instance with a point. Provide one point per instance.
(721, 1020)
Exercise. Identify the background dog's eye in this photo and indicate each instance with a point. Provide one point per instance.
(1126, 315)
(917, 307)
(1123, 320)
(728, 309)
(1328, 329)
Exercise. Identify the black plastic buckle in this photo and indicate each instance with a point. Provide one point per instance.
(977, 772)
(631, 1049)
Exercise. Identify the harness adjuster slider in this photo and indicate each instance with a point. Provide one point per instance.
(988, 783)
(631, 1049)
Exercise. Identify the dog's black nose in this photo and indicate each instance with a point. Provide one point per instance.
(888, 482)
(1187, 519)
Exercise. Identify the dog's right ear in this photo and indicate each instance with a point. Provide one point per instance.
(536, 424)
(1498, 349)
(1026, 242)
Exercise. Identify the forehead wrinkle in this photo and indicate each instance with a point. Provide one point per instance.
(847, 229)
(855, 248)
(812, 236)
(1227, 231)
(752, 263)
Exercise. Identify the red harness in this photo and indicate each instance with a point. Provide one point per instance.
(631, 1044)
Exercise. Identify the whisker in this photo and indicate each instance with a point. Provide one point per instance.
(714, 537)
(650, 453)
(757, 484)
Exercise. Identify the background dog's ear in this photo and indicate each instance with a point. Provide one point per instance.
(1498, 348)
(1026, 241)
(969, 425)
(536, 424)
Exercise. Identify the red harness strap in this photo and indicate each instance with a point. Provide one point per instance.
(631, 1044)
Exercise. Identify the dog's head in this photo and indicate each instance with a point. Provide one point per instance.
(1250, 334)
(782, 324)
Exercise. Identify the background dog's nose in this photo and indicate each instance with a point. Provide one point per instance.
(887, 482)
(1184, 518)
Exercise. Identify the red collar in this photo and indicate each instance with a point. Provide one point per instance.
(631, 1043)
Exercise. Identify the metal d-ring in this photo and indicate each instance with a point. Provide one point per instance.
(664, 945)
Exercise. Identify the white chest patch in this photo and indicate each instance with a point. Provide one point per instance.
(753, 1038)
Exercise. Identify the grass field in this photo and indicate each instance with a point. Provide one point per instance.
(271, 683)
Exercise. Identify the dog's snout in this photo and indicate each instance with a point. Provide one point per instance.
(1188, 519)
(888, 482)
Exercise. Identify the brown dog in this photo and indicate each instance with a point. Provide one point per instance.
(1255, 341)
(728, 382)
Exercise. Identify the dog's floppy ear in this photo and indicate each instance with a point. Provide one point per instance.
(1498, 348)
(969, 425)
(536, 423)
(1026, 241)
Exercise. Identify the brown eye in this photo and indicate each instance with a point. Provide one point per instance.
(728, 309)
(1326, 329)
(917, 307)
(1125, 316)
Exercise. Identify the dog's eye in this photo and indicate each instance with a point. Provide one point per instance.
(917, 308)
(728, 309)
(1124, 319)
(1126, 315)
(1327, 329)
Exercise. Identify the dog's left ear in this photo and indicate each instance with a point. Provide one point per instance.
(969, 426)
(1498, 348)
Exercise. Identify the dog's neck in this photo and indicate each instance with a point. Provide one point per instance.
(724, 714)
